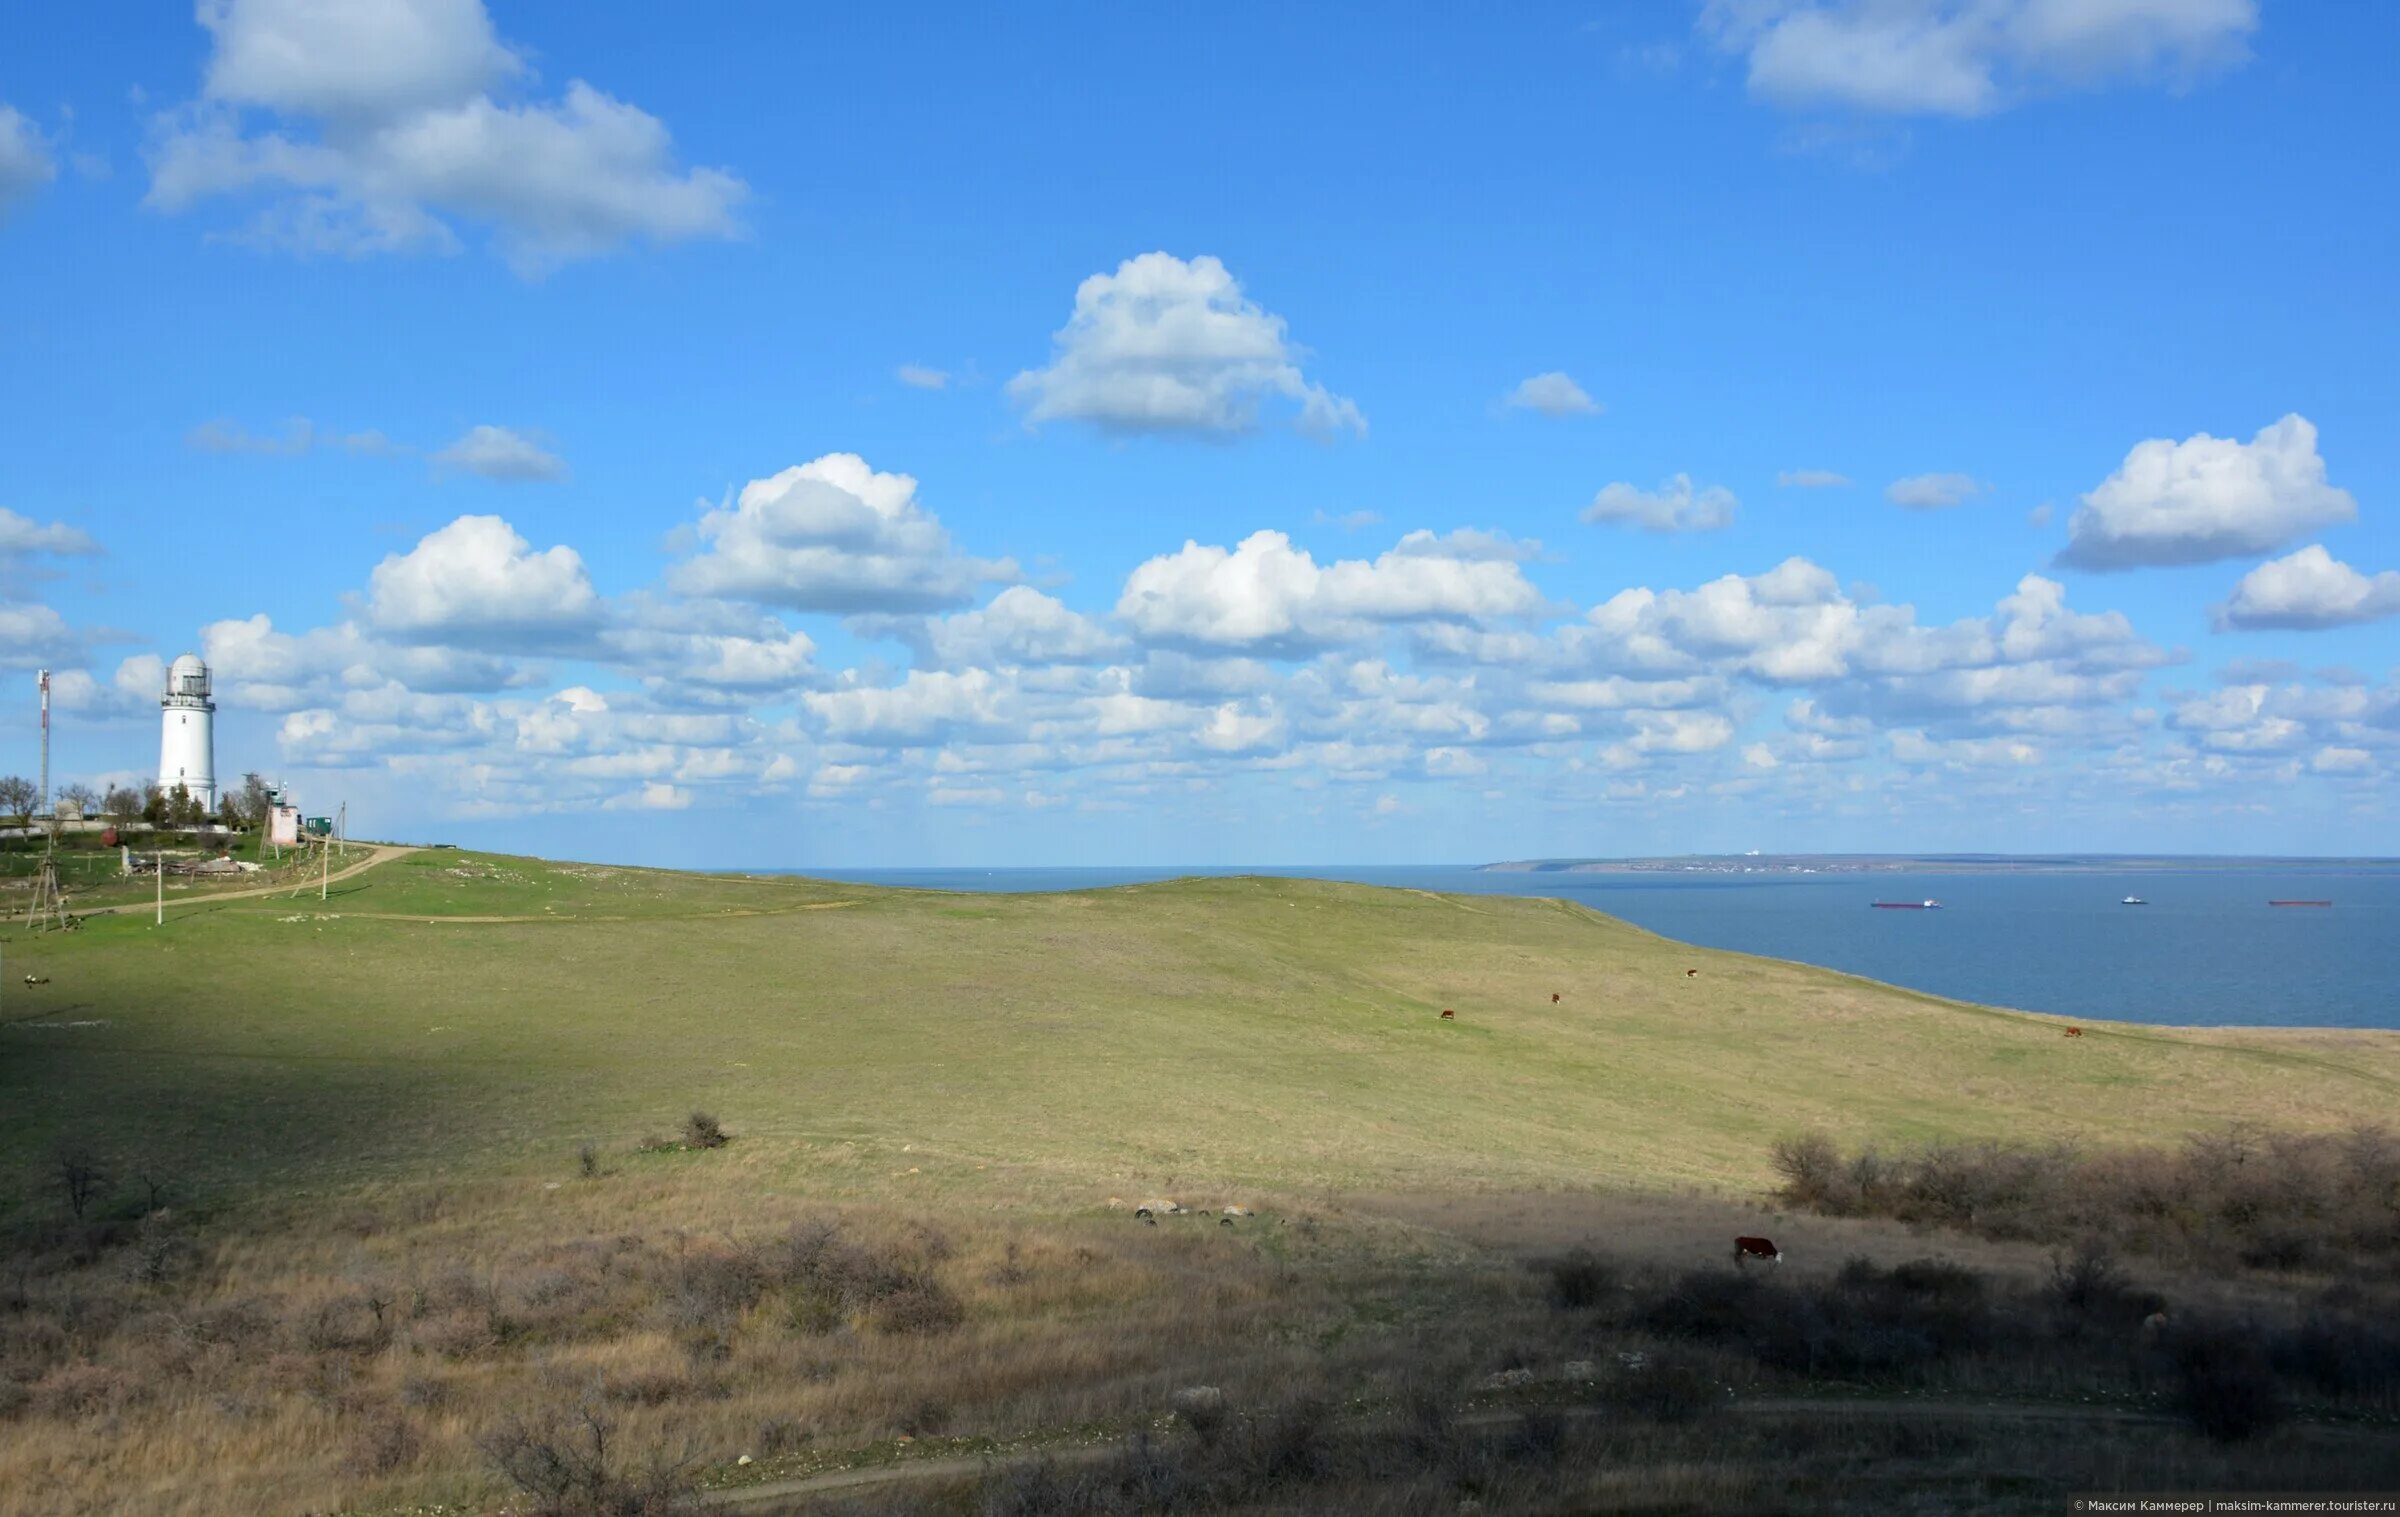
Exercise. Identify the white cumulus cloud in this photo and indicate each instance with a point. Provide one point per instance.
(1552, 394)
(2308, 589)
(1264, 593)
(22, 535)
(386, 128)
(476, 581)
(1020, 626)
(833, 534)
(1166, 345)
(498, 453)
(1933, 492)
(25, 161)
(1970, 57)
(1675, 506)
(2206, 498)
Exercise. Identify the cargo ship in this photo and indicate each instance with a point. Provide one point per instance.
(1908, 905)
(2299, 903)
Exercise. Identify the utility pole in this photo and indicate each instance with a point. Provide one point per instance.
(325, 880)
(46, 741)
(160, 859)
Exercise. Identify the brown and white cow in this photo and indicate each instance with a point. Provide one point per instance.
(1756, 1248)
(2074, 1032)
(1448, 1015)
(1554, 998)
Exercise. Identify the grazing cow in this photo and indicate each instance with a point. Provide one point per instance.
(1756, 1248)
(1448, 1015)
(1554, 998)
(2074, 1032)
(1691, 974)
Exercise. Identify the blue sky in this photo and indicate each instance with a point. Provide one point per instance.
(553, 388)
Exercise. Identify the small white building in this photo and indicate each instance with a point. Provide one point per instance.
(187, 743)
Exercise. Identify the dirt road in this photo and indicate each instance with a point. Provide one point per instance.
(776, 1498)
(377, 853)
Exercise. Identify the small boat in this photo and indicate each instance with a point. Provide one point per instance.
(2299, 903)
(1908, 905)
(2133, 900)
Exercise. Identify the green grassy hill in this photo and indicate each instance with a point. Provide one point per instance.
(449, 1012)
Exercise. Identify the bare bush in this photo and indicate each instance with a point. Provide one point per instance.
(567, 1464)
(701, 1130)
(2280, 1201)
(386, 1444)
(1580, 1280)
(83, 1177)
(1811, 1167)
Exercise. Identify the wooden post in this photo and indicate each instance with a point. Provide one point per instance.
(161, 862)
(325, 880)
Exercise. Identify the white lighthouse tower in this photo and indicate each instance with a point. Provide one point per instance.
(187, 743)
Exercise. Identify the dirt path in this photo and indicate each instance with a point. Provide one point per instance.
(377, 853)
(725, 914)
(774, 1498)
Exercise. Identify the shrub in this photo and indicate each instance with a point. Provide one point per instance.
(712, 1290)
(80, 1390)
(567, 1464)
(701, 1130)
(648, 1388)
(2341, 1353)
(387, 1443)
(922, 1306)
(1580, 1280)
(827, 1280)
(587, 1162)
(781, 1435)
(2090, 1291)
(2227, 1386)
(2279, 1201)
(82, 1177)
(1292, 1442)
(1811, 1168)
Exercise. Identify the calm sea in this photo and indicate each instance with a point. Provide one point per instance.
(2207, 950)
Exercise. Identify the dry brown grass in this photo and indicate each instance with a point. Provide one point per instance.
(304, 1357)
(351, 1357)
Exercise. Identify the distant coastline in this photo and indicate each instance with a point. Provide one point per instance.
(1938, 863)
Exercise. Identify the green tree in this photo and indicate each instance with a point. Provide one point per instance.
(183, 807)
(154, 806)
(258, 797)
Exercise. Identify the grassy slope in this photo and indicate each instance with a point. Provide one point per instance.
(1273, 1033)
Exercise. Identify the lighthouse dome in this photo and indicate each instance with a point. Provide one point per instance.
(187, 676)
